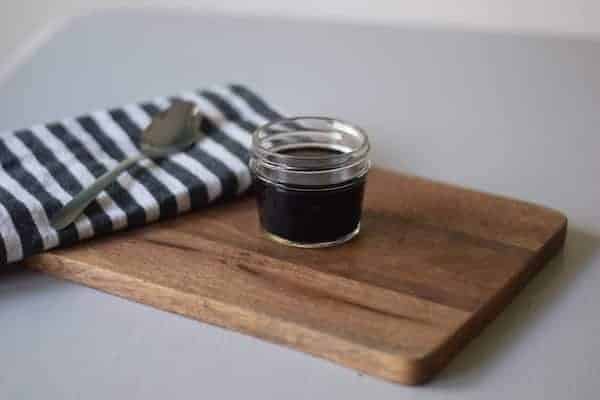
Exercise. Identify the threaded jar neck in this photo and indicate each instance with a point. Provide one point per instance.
(309, 152)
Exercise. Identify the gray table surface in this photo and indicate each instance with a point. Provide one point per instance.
(511, 114)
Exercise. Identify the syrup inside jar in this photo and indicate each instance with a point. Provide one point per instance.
(309, 177)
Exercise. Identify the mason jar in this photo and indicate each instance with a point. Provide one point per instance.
(309, 179)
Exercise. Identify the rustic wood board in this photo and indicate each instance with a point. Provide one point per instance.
(433, 264)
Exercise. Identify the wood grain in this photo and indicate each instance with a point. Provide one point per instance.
(433, 264)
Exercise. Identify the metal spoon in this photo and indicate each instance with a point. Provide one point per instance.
(170, 131)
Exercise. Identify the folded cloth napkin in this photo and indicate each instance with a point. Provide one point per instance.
(43, 167)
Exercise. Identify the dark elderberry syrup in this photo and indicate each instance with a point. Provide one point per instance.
(309, 179)
(308, 215)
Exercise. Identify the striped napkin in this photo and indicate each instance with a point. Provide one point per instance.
(43, 167)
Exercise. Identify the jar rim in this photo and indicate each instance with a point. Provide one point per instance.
(343, 156)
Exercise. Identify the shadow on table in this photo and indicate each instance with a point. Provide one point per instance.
(536, 299)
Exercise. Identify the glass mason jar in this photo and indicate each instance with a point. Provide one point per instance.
(309, 178)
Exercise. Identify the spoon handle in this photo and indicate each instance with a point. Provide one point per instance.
(75, 207)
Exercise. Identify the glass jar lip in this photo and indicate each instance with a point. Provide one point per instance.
(360, 151)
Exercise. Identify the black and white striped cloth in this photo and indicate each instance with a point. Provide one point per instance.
(43, 167)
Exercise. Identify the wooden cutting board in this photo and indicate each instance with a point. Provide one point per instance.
(433, 264)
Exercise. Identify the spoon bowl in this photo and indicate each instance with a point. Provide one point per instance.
(171, 130)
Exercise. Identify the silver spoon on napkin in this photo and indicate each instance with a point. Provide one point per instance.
(170, 131)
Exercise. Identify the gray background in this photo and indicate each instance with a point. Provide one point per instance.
(507, 113)
(22, 22)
